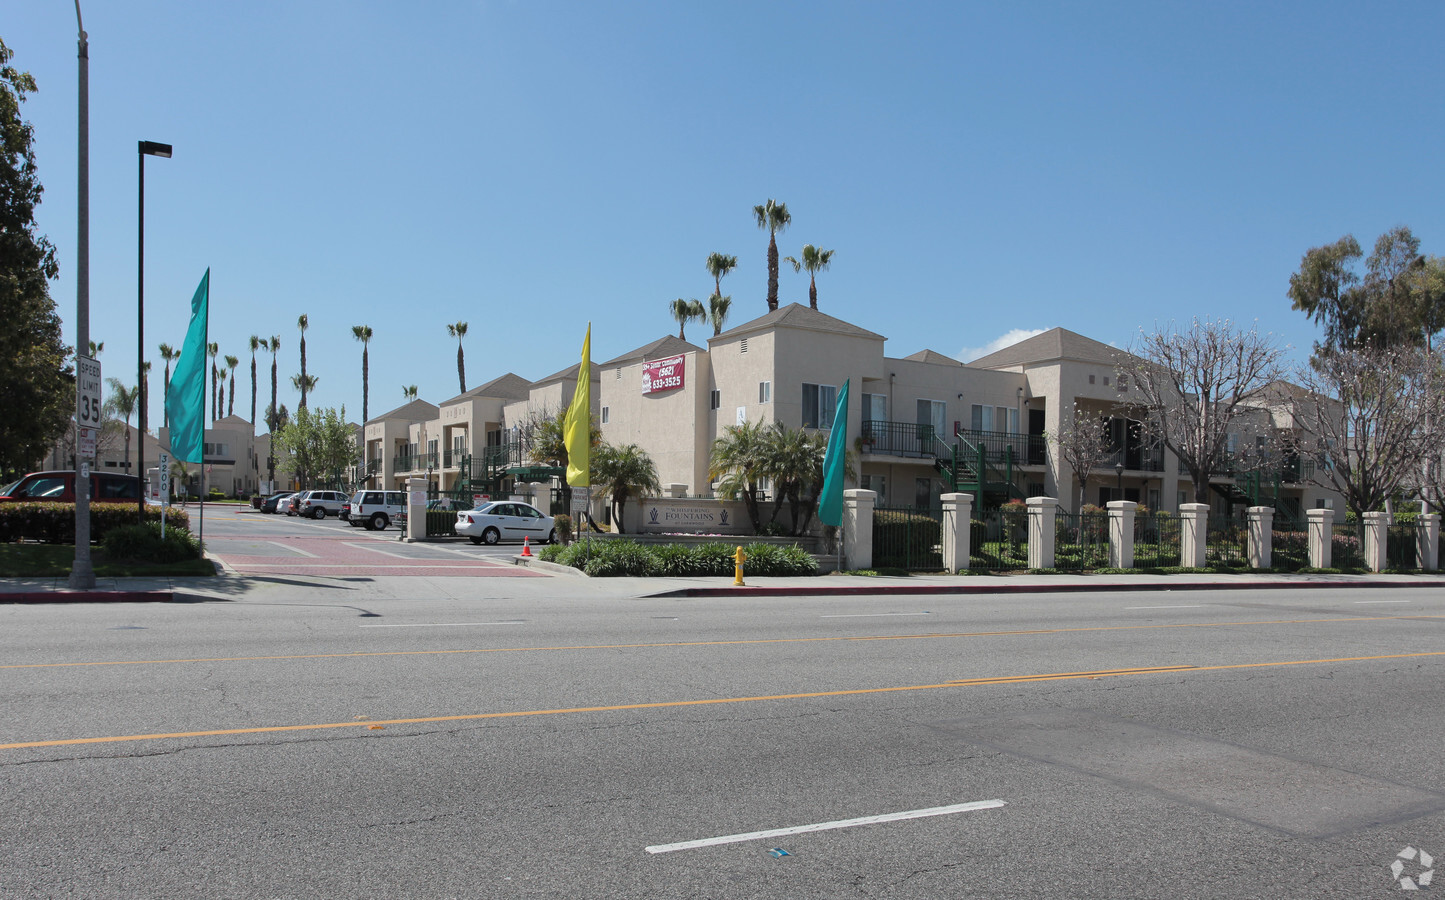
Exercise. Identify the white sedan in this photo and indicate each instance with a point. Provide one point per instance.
(505, 520)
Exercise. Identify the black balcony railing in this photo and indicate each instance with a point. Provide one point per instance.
(1000, 447)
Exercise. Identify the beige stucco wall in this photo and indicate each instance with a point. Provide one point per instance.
(673, 426)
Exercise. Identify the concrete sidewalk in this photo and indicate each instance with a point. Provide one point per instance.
(236, 588)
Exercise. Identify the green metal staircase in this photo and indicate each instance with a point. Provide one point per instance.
(967, 469)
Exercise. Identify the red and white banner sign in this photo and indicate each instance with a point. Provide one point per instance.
(662, 374)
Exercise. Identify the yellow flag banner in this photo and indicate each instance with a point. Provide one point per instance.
(577, 427)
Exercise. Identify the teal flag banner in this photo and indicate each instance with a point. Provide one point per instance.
(186, 403)
(835, 464)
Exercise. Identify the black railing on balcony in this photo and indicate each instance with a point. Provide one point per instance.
(1000, 446)
(899, 439)
(418, 462)
(1136, 459)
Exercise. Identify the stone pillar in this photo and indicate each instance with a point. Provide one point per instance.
(674, 490)
(1322, 528)
(858, 528)
(1261, 536)
(957, 531)
(541, 496)
(1375, 523)
(415, 509)
(1042, 511)
(1121, 533)
(1193, 532)
(1427, 541)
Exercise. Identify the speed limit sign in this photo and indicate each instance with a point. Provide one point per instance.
(87, 396)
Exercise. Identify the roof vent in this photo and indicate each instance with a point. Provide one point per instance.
(745, 345)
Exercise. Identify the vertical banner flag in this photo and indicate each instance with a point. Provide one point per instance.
(186, 403)
(835, 462)
(577, 426)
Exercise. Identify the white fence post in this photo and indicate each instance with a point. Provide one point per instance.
(1261, 536)
(858, 528)
(1375, 524)
(1042, 512)
(1322, 532)
(1193, 534)
(1121, 533)
(957, 531)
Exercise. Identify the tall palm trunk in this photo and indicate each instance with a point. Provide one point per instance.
(365, 384)
(812, 291)
(253, 388)
(773, 271)
(303, 370)
(166, 399)
(461, 370)
(231, 403)
(271, 414)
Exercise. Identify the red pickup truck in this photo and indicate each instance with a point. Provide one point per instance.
(59, 486)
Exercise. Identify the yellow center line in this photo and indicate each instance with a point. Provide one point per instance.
(734, 643)
(470, 717)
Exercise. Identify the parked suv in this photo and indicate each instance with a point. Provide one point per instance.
(374, 510)
(320, 504)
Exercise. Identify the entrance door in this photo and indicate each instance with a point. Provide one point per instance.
(1036, 437)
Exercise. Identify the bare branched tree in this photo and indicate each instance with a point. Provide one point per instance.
(1363, 414)
(1193, 385)
(1083, 444)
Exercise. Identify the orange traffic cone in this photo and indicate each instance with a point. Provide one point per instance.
(526, 546)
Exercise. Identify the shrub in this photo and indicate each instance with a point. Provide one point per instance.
(773, 529)
(54, 523)
(215, 494)
(778, 561)
(563, 524)
(619, 558)
(144, 543)
(899, 535)
(713, 559)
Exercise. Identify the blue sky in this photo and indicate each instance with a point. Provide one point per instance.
(980, 170)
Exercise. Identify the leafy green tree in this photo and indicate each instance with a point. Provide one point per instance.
(794, 464)
(684, 311)
(1397, 301)
(717, 312)
(123, 402)
(739, 462)
(363, 333)
(815, 260)
(318, 443)
(459, 331)
(624, 472)
(773, 216)
(545, 442)
(231, 364)
(35, 367)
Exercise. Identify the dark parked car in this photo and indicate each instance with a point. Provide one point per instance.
(269, 506)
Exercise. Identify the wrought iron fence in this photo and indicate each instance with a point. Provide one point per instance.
(1156, 541)
(1347, 547)
(1289, 545)
(441, 523)
(999, 541)
(908, 538)
(1226, 543)
(1402, 547)
(1081, 541)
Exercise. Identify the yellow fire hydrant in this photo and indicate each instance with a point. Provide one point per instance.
(738, 559)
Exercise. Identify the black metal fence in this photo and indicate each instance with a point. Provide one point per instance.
(1347, 547)
(1402, 547)
(1157, 541)
(1081, 541)
(908, 538)
(1289, 545)
(1227, 543)
(999, 542)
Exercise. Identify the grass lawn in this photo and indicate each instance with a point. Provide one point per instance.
(53, 561)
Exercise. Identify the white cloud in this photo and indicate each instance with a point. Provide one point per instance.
(1007, 339)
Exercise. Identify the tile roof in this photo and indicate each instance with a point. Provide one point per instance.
(933, 357)
(416, 410)
(1054, 344)
(504, 387)
(661, 348)
(796, 315)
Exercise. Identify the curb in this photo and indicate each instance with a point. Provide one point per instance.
(87, 597)
(925, 589)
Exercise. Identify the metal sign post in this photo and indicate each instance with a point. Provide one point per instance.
(163, 480)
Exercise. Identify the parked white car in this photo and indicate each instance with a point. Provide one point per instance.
(374, 510)
(505, 520)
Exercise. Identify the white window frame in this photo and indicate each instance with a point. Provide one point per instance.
(765, 392)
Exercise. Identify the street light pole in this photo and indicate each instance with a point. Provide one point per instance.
(145, 148)
(82, 575)
(1119, 473)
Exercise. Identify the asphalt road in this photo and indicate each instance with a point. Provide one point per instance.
(1201, 744)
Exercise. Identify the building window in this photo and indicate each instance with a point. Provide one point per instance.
(877, 484)
(820, 401)
(716, 401)
(875, 407)
(765, 392)
(606, 414)
(1091, 379)
(1123, 383)
(933, 413)
(1106, 381)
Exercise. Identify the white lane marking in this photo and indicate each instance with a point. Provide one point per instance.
(827, 826)
(359, 565)
(1195, 606)
(293, 549)
(1382, 601)
(377, 550)
(871, 615)
(434, 624)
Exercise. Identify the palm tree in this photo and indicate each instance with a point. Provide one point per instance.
(774, 217)
(231, 364)
(305, 384)
(684, 311)
(409, 392)
(95, 349)
(220, 372)
(123, 402)
(718, 265)
(256, 344)
(459, 331)
(274, 345)
(363, 333)
(739, 462)
(625, 472)
(815, 260)
(302, 323)
(170, 355)
(213, 350)
(717, 312)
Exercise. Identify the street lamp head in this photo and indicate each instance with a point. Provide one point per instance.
(151, 148)
(1118, 468)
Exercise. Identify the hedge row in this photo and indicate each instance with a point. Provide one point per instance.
(54, 523)
(601, 559)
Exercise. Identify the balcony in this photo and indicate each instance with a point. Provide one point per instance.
(1001, 446)
(419, 462)
(900, 439)
(1136, 459)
